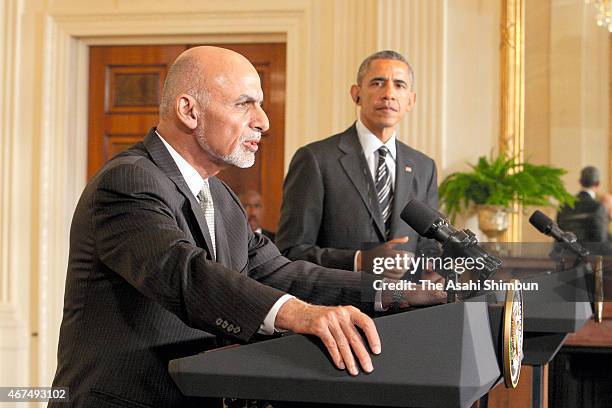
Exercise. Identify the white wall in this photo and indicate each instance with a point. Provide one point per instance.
(579, 95)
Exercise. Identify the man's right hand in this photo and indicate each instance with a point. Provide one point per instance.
(418, 296)
(336, 326)
(386, 250)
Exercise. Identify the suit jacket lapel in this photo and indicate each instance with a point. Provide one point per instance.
(161, 157)
(404, 168)
(356, 168)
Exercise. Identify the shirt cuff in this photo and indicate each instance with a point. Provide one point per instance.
(378, 305)
(267, 327)
(355, 261)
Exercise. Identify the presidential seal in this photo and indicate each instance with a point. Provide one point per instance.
(513, 336)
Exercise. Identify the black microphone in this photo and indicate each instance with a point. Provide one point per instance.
(547, 226)
(430, 223)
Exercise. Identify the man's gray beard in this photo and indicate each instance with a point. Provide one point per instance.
(239, 157)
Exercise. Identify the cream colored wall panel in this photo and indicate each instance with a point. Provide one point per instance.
(472, 80)
(189, 39)
(565, 93)
(596, 99)
(15, 208)
(354, 38)
(537, 97)
(99, 7)
(579, 96)
(416, 29)
(14, 345)
(537, 84)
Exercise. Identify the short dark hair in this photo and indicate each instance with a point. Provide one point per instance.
(589, 177)
(384, 55)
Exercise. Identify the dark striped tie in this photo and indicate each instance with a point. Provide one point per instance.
(384, 189)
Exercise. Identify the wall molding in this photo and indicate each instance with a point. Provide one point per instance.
(14, 242)
(512, 102)
(14, 345)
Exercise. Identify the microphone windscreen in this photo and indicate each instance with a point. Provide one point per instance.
(541, 221)
(419, 216)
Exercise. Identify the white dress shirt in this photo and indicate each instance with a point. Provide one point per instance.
(590, 192)
(370, 145)
(195, 182)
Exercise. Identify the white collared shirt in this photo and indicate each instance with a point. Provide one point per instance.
(590, 192)
(195, 182)
(370, 144)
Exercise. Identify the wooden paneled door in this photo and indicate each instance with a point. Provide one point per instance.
(125, 84)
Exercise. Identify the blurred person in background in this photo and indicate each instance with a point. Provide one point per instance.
(253, 205)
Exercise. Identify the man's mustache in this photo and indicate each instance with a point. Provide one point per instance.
(253, 137)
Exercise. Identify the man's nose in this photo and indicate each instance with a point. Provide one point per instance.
(260, 120)
(389, 91)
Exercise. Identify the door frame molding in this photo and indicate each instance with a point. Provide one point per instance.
(64, 102)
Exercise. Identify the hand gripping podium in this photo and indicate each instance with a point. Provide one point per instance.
(447, 355)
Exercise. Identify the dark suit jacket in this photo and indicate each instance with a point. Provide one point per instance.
(142, 287)
(588, 219)
(330, 206)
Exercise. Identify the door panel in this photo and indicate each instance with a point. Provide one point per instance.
(125, 90)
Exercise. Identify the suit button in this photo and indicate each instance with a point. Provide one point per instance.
(224, 324)
(236, 329)
(219, 321)
(230, 328)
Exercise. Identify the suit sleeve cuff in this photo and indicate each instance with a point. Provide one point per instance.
(267, 327)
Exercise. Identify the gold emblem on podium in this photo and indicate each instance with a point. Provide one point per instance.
(598, 298)
(513, 336)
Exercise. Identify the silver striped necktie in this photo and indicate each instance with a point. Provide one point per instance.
(206, 203)
(384, 189)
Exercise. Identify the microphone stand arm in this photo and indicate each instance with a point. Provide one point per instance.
(463, 243)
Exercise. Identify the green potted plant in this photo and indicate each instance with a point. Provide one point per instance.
(493, 185)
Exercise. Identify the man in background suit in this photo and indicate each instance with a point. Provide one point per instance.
(588, 219)
(161, 253)
(254, 207)
(350, 188)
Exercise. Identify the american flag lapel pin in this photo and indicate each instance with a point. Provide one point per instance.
(408, 169)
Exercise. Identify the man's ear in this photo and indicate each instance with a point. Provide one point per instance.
(186, 111)
(411, 101)
(355, 94)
